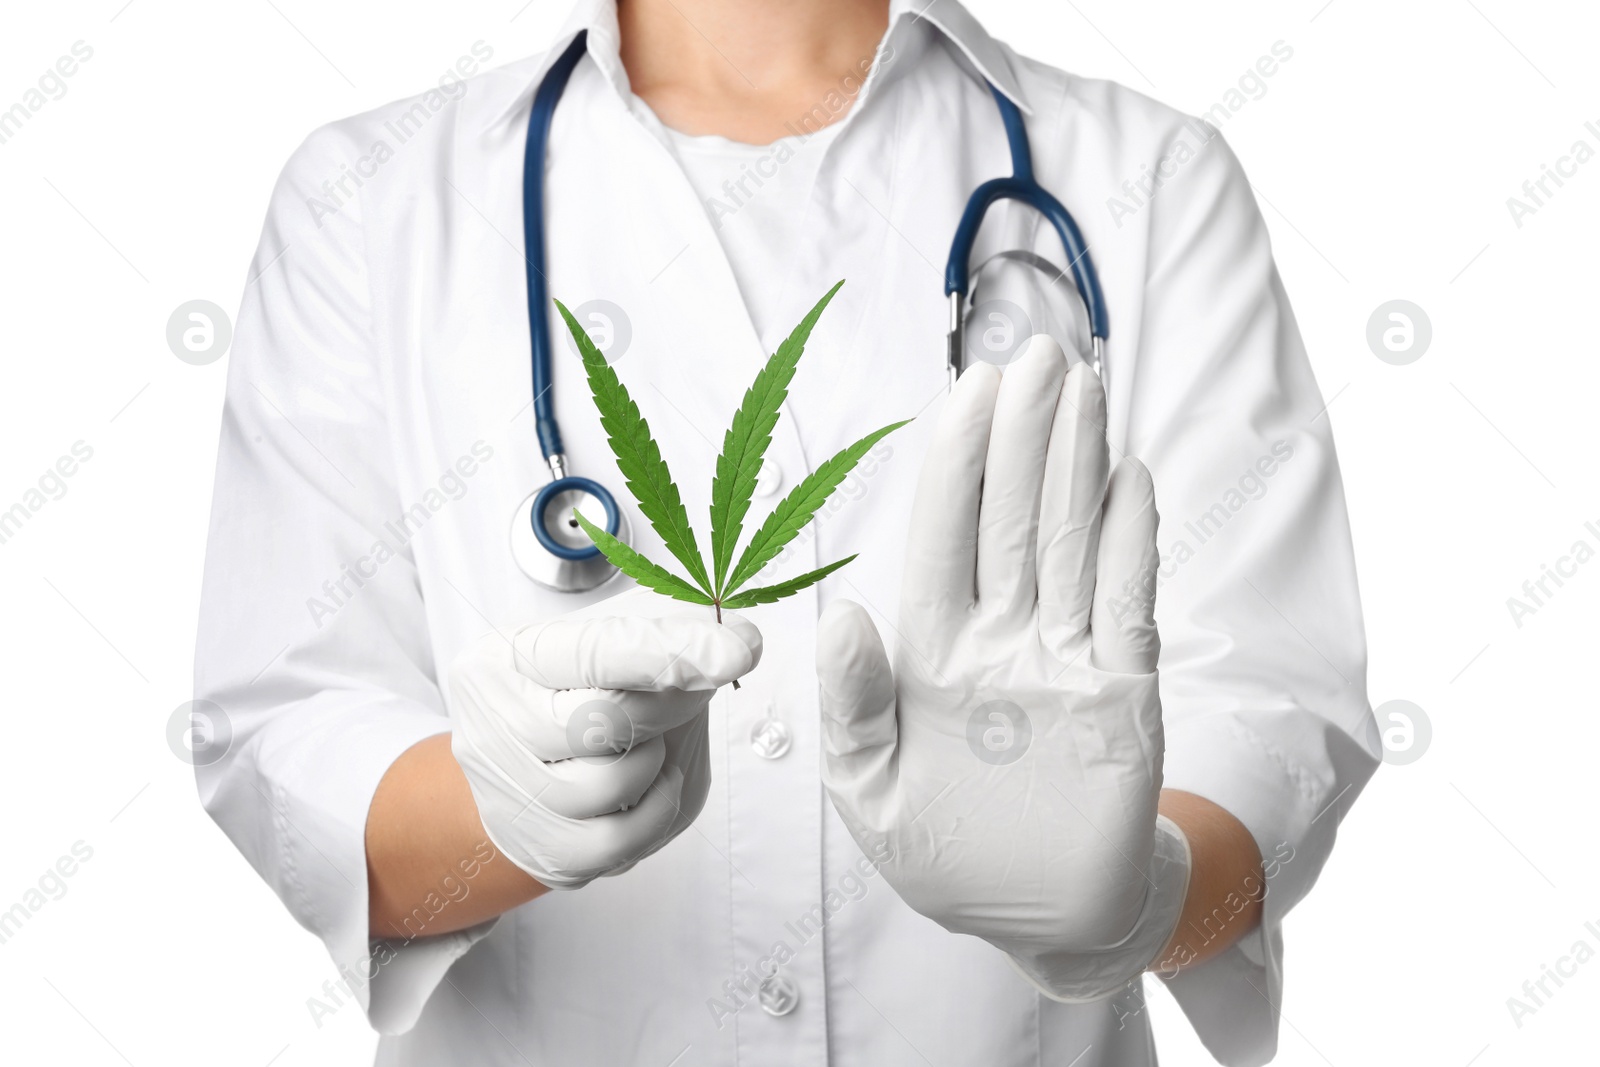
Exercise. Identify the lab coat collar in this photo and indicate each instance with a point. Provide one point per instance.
(990, 59)
(603, 46)
(989, 56)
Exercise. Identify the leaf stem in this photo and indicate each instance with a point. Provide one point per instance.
(717, 604)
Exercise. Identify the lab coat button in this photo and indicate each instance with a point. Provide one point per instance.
(769, 479)
(770, 738)
(778, 995)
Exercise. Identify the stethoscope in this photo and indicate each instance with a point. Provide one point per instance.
(559, 555)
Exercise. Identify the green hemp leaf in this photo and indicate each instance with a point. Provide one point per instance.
(721, 583)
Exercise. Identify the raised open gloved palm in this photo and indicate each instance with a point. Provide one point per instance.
(1009, 763)
(584, 738)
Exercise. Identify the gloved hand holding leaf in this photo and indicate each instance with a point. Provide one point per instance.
(724, 582)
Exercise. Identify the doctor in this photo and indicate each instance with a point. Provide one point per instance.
(950, 816)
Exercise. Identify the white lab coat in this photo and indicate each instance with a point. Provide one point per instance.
(378, 436)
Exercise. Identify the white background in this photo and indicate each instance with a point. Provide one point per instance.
(1383, 154)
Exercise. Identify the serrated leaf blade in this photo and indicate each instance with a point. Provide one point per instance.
(768, 594)
(744, 446)
(637, 567)
(638, 456)
(797, 509)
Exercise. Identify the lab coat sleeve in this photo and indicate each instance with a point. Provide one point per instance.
(1263, 659)
(312, 640)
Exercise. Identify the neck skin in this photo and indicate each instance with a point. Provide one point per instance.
(749, 70)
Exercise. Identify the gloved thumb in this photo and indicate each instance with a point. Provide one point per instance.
(857, 695)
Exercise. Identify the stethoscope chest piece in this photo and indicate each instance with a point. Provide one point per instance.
(549, 545)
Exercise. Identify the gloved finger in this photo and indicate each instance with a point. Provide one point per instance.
(686, 650)
(857, 692)
(611, 844)
(595, 722)
(1123, 621)
(557, 724)
(689, 752)
(1013, 478)
(586, 786)
(941, 551)
(1069, 514)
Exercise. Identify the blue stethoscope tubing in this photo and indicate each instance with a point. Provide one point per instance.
(1021, 185)
(544, 411)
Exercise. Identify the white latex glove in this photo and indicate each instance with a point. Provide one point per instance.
(1010, 762)
(584, 738)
